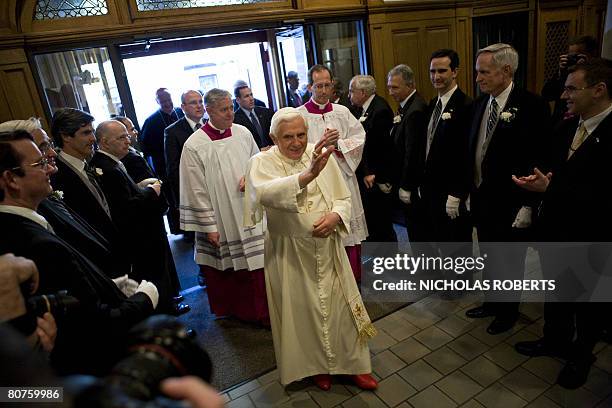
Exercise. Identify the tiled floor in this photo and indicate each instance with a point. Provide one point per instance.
(430, 355)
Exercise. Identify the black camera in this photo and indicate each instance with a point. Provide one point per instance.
(160, 347)
(573, 59)
(59, 304)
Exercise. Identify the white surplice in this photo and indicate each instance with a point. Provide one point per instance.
(350, 144)
(319, 323)
(210, 200)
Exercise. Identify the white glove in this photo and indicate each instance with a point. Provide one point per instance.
(149, 289)
(147, 181)
(452, 207)
(385, 188)
(126, 285)
(404, 196)
(523, 218)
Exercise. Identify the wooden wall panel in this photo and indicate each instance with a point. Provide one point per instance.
(19, 98)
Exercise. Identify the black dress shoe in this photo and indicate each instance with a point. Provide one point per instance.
(178, 299)
(575, 373)
(541, 347)
(479, 312)
(181, 308)
(498, 326)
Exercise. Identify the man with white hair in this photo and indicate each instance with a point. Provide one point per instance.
(374, 171)
(212, 170)
(340, 128)
(319, 324)
(506, 135)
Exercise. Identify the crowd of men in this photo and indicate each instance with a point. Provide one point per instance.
(88, 208)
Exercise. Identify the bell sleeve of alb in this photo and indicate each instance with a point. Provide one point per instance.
(351, 145)
(195, 208)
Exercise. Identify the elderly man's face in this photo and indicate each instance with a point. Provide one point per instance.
(35, 184)
(357, 96)
(491, 78)
(221, 114)
(292, 138)
(116, 141)
(131, 129)
(45, 145)
(398, 88)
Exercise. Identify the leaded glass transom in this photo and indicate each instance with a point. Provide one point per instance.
(154, 5)
(55, 9)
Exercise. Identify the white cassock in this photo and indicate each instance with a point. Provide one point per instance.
(319, 323)
(350, 144)
(210, 200)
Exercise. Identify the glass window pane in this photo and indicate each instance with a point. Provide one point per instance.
(340, 50)
(81, 79)
(54, 9)
(152, 5)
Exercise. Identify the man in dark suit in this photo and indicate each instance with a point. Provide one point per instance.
(338, 95)
(575, 208)
(152, 134)
(446, 184)
(408, 137)
(175, 137)
(293, 96)
(239, 84)
(138, 213)
(73, 133)
(374, 171)
(254, 118)
(134, 162)
(89, 339)
(505, 139)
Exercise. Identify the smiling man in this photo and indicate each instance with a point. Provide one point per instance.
(308, 274)
(339, 127)
(212, 169)
(446, 179)
(575, 208)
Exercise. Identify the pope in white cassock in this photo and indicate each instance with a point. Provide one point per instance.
(337, 124)
(320, 326)
(231, 257)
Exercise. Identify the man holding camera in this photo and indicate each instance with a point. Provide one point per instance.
(581, 49)
(91, 335)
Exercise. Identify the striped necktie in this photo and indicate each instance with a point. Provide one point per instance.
(434, 124)
(492, 118)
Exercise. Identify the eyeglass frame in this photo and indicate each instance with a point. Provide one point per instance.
(571, 89)
(42, 163)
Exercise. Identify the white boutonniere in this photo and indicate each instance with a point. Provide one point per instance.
(99, 171)
(509, 115)
(446, 116)
(58, 194)
(397, 119)
(363, 118)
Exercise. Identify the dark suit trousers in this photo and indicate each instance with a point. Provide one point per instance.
(377, 207)
(494, 225)
(564, 319)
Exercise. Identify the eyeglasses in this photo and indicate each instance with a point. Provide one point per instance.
(46, 146)
(572, 89)
(42, 163)
(327, 85)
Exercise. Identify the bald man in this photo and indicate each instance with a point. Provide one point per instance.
(175, 137)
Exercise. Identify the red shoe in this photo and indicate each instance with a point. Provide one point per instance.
(364, 381)
(323, 381)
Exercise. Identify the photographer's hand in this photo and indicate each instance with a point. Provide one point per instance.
(46, 329)
(193, 390)
(15, 270)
